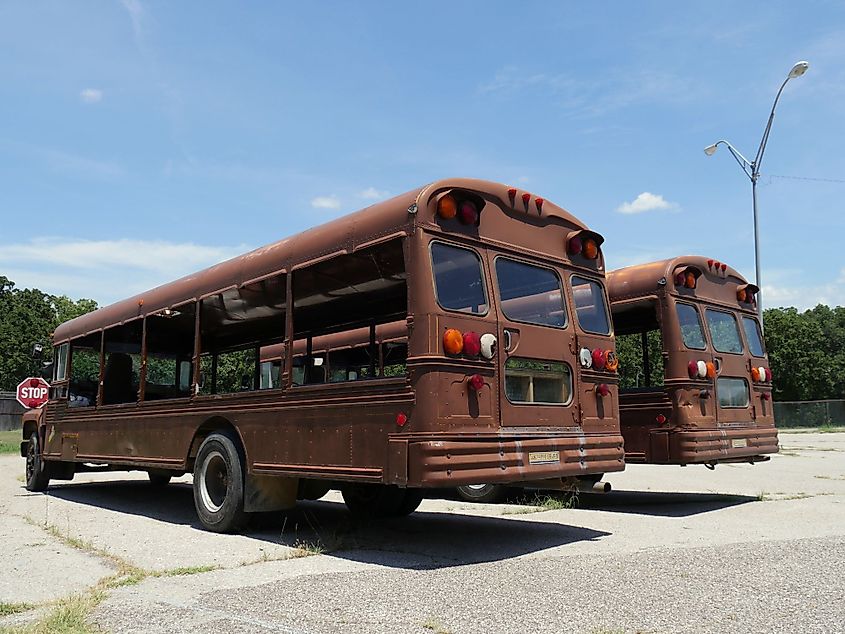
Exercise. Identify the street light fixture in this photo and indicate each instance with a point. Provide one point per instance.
(752, 171)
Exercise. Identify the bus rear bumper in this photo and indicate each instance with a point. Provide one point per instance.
(722, 445)
(508, 460)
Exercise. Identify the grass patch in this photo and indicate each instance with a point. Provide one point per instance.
(434, 625)
(7, 609)
(824, 477)
(782, 497)
(543, 502)
(822, 429)
(10, 442)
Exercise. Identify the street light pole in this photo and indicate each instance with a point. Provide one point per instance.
(752, 171)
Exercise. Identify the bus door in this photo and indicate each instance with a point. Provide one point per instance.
(732, 390)
(536, 377)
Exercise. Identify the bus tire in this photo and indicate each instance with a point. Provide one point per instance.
(378, 501)
(483, 493)
(413, 499)
(159, 478)
(37, 471)
(219, 485)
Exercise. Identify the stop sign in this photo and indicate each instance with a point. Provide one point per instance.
(33, 392)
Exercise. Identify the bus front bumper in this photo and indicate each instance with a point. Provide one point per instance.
(742, 444)
(454, 461)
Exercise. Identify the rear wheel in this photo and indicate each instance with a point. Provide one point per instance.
(485, 493)
(37, 471)
(219, 485)
(159, 477)
(380, 500)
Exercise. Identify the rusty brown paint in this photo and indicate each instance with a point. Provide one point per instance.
(697, 430)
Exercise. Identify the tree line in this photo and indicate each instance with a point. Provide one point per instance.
(806, 349)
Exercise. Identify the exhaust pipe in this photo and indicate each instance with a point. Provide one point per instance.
(594, 487)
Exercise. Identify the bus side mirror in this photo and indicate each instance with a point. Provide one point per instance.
(46, 371)
(37, 351)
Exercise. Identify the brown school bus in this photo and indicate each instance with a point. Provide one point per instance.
(500, 300)
(695, 383)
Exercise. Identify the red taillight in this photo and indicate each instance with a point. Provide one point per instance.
(765, 396)
(602, 389)
(660, 418)
(453, 341)
(476, 382)
(599, 359)
(447, 207)
(591, 249)
(467, 213)
(768, 375)
(692, 368)
(575, 246)
(401, 419)
(472, 344)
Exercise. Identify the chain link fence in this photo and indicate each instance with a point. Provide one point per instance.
(810, 413)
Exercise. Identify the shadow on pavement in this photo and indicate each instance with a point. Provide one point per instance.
(661, 504)
(422, 540)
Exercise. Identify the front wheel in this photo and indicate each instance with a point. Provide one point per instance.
(219, 485)
(37, 473)
(484, 493)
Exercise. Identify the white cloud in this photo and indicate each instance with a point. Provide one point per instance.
(371, 193)
(105, 270)
(645, 202)
(91, 95)
(326, 202)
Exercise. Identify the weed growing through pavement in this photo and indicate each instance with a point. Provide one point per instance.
(7, 609)
(435, 626)
(544, 502)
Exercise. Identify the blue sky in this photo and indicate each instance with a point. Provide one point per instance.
(143, 140)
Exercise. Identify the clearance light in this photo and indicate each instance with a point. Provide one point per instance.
(538, 202)
(709, 264)
(453, 341)
(591, 249)
(401, 419)
(476, 382)
(467, 213)
(525, 198)
(711, 370)
(724, 267)
(599, 359)
(512, 195)
(447, 207)
(602, 389)
(611, 361)
(575, 246)
(472, 344)
(488, 345)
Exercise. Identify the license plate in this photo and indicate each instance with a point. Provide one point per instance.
(737, 443)
(543, 457)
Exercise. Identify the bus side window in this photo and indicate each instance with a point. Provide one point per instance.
(122, 373)
(170, 349)
(84, 371)
(395, 356)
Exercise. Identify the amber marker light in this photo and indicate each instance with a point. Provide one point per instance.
(447, 207)
(453, 341)
(711, 370)
(591, 249)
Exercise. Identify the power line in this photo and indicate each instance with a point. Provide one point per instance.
(804, 178)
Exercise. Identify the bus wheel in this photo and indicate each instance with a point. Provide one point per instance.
(485, 493)
(37, 474)
(380, 500)
(159, 477)
(219, 485)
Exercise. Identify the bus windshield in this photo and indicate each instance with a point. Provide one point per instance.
(530, 293)
(590, 306)
(752, 335)
(723, 331)
(690, 325)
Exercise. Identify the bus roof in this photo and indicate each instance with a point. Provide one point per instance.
(342, 235)
(644, 279)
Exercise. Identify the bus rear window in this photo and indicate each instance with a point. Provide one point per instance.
(732, 392)
(752, 336)
(530, 294)
(536, 381)
(590, 305)
(724, 332)
(458, 280)
(690, 325)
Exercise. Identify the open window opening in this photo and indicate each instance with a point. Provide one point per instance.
(122, 372)
(342, 307)
(170, 351)
(639, 345)
(84, 371)
(234, 324)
